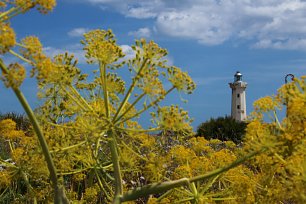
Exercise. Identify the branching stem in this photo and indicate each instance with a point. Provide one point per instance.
(59, 196)
(128, 94)
(156, 188)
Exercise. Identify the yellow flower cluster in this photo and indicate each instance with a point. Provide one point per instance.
(100, 46)
(91, 195)
(282, 167)
(181, 154)
(151, 51)
(150, 84)
(5, 179)
(8, 130)
(181, 80)
(266, 104)
(32, 49)
(173, 118)
(7, 37)
(15, 76)
(44, 6)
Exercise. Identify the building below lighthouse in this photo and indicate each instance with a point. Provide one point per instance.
(238, 111)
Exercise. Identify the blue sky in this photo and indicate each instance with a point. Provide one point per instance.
(211, 39)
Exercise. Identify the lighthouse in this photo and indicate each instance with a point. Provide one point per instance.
(238, 97)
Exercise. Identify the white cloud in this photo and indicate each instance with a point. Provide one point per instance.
(141, 33)
(77, 32)
(277, 24)
(78, 52)
(75, 49)
(128, 51)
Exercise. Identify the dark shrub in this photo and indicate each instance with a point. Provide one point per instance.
(223, 128)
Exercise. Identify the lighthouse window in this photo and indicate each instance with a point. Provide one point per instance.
(238, 106)
(238, 95)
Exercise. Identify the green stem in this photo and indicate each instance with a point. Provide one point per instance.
(67, 148)
(51, 167)
(156, 188)
(74, 99)
(131, 106)
(226, 168)
(14, 14)
(131, 150)
(21, 57)
(139, 131)
(80, 97)
(101, 185)
(30, 188)
(104, 85)
(194, 190)
(146, 108)
(115, 159)
(276, 119)
(6, 13)
(73, 172)
(128, 94)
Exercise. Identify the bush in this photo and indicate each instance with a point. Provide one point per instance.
(22, 122)
(223, 128)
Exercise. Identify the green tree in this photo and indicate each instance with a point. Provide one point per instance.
(222, 128)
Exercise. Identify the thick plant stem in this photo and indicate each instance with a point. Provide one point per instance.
(115, 159)
(104, 85)
(40, 136)
(156, 188)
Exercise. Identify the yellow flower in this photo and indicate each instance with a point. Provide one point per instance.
(100, 46)
(182, 171)
(15, 76)
(181, 80)
(266, 104)
(182, 154)
(173, 118)
(18, 154)
(7, 37)
(8, 130)
(199, 145)
(91, 195)
(150, 83)
(46, 5)
(32, 49)
(5, 178)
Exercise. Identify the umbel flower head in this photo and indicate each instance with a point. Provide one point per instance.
(15, 76)
(173, 118)
(181, 80)
(43, 6)
(7, 37)
(100, 46)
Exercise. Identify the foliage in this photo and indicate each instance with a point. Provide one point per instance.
(95, 151)
(223, 128)
(281, 170)
(22, 122)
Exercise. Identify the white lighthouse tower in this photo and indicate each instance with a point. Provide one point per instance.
(238, 97)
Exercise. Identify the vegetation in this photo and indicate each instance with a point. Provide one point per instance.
(22, 122)
(95, 151)
(223, 128)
